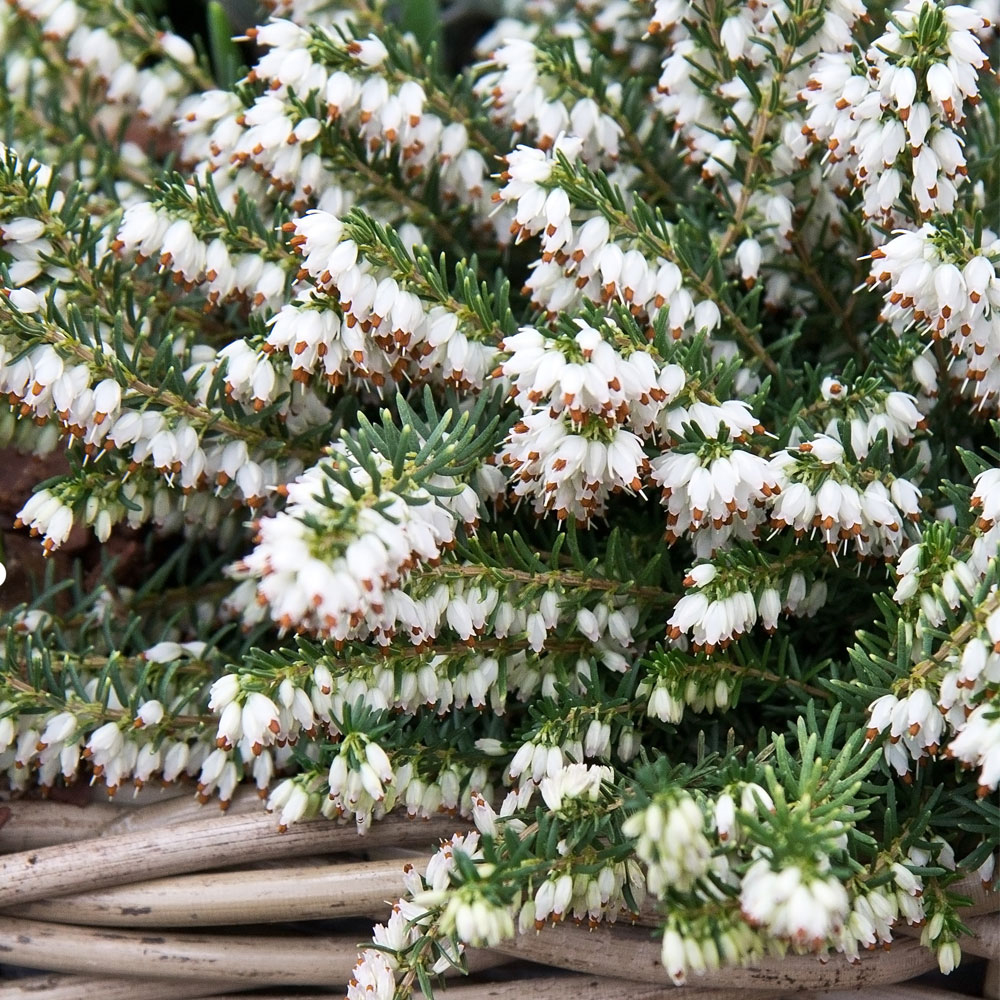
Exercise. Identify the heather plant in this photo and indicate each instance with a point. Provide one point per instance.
(597, 442)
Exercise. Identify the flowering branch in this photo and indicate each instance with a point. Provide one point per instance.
(598, 493)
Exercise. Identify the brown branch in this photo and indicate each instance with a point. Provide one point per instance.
(212, 841)
(313, 892)
(757, 161)
(958, 638)
(274, 960)
(570, 580)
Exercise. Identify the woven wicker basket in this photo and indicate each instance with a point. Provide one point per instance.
(169, 899)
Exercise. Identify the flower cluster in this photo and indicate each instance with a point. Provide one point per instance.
(310, 579)
(148, 740)
(956, 713)
(889, 118)
(382, 330)
(592, 443)
(671, 841)
(806, 910)
(842, 502)
(948, 287)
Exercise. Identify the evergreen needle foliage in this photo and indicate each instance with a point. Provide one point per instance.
(598, 442)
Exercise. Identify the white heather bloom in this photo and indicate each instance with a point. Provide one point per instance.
(106, 743)
(949, 297)
(866, 111)
(47, 516)
(442, 863)
(21, 230)
(718, 496)
(379, 762)
(663, 702)
(769, 608)
(586, 376)
(754, 798)
(58, 729)
(987, 869)
(352, 590)
(906, 880)
(292, 801)
(370, 52)
(149, 713)
(223, 691)
(670, 839)
(372, 977)
(986, 497)
(476, 920)
(673, 956)
(569, 473)
(573, 781)
(748, 256)
(260, 721)
(230, 729)
(808, 910)
(725, 817)
(713, 622)
(978, 745)
(819, 496)
(914, 724)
